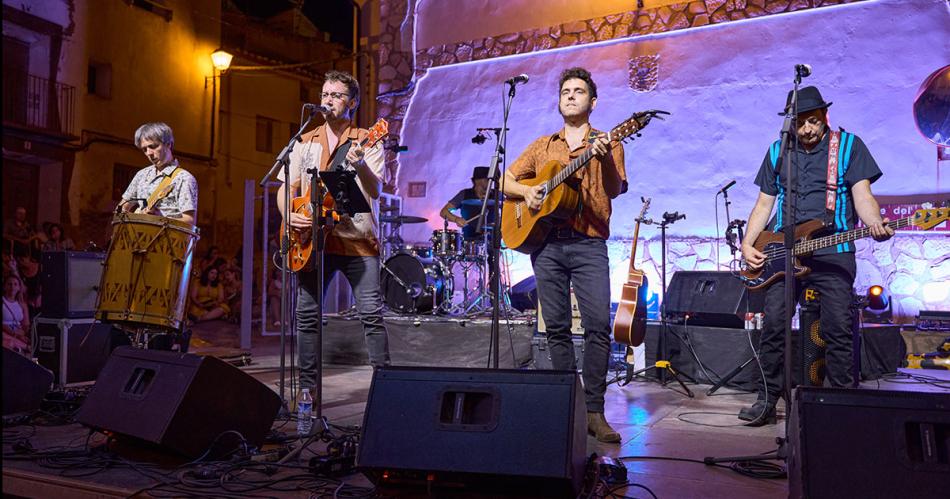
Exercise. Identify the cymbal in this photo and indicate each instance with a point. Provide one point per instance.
(403, 219)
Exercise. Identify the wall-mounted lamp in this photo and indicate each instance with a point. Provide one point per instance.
(221, 60)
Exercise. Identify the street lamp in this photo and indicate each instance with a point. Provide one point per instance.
(221, 60)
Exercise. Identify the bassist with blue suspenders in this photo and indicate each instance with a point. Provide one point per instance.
(835, 171)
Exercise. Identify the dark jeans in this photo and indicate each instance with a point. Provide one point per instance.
(363, 274)
(833, 277)
(583, 262)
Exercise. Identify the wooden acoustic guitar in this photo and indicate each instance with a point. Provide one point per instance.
(524, 229)
(630, 322)
(301, 240)
(806, 242)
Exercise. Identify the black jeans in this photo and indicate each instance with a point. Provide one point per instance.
(583, 262)
(362, 272)
(833, 277)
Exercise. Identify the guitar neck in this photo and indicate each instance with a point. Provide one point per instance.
(633, 247)
(811, 245)
(572, 167)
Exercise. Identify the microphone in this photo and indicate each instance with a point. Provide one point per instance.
(316, 108)
(803, 70)
(672, 217)
(726, 188)
(478, 139)
(514, 80)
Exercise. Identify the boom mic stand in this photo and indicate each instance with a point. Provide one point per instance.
(494, 251)
(283, 162)
(662, 364)
(788, 147)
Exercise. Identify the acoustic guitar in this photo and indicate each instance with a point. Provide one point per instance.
(524, 229)
(806, 242)
(301, 240)
(630, 322)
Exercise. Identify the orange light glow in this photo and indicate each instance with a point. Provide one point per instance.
(876, 290)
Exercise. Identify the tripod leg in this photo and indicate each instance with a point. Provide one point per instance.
(732, 374)
(676, 376)
(630, 375)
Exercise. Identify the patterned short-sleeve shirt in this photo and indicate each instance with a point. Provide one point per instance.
(182, 198)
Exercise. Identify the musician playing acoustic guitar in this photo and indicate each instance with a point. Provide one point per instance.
(351, 247)
(831, 187)
(164, 188)
(576, 253)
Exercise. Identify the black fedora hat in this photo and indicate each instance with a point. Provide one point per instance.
(479, 172)
(809, 99)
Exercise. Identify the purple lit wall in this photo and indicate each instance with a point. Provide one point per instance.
(724, 84)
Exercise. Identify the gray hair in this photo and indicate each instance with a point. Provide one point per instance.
(155, 131)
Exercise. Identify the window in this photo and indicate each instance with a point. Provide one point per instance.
(265, 134)
(99, 80)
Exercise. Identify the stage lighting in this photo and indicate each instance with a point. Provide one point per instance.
(878, 309)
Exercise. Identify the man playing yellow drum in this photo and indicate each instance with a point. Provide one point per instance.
(164, 188)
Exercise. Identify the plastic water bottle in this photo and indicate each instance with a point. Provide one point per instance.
(305, 413)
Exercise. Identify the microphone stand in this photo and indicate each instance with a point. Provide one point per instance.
(283, 162)
(494, 251)
(788, 147)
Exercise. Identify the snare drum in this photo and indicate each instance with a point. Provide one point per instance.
(422, 286)
(474, 250)
(446, 243)
(145, 278)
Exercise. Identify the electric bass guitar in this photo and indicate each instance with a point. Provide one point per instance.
(807, 242)
(301, 240)
(524, 229)
(630, 323)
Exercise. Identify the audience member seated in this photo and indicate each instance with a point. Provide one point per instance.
(207, 297)
(16, 317)
(57, 240)
(231, 281)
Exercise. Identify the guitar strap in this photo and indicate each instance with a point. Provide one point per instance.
(831, 182)
(157, 194)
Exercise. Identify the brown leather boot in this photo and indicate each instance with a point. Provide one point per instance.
(597, 425)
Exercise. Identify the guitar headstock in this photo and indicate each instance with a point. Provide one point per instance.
(928, 219)
(643, 209)
(634, 124)
(379, 130)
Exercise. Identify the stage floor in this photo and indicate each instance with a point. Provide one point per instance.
(655, 422)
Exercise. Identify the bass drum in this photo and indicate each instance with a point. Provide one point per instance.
(423, 287)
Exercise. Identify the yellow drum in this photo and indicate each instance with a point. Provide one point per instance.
(147, 269)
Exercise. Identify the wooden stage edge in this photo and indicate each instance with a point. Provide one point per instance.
(23, 483)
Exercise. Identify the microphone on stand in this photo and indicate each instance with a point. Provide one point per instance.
(316, 108)
(514, 80)
(803, 70)
(726, 188)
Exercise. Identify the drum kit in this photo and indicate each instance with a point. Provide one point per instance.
(420, 278)
(144, 286)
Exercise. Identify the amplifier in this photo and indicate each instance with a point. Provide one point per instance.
(71, 283)
(710, 298)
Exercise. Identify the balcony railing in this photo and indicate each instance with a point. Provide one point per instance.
(38, 103)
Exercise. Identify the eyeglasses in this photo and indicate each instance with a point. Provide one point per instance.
(335, 95)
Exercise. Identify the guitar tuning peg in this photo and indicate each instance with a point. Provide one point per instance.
(639, 135)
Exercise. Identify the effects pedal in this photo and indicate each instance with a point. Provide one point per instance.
(611, 470)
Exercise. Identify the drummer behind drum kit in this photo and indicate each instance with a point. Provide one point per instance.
(421, 279)
(144, 286)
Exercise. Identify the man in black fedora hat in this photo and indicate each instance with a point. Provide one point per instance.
(834, 171)
(476, 192)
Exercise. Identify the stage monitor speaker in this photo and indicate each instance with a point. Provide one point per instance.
(499, 429)
(710, 298)
(71, 283)
(181, 402)
(868, 443)
(24, 383)
(524, 295)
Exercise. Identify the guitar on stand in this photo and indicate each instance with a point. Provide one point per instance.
(524, 229)
(806, 242)
(301, 241)
(630, 323)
